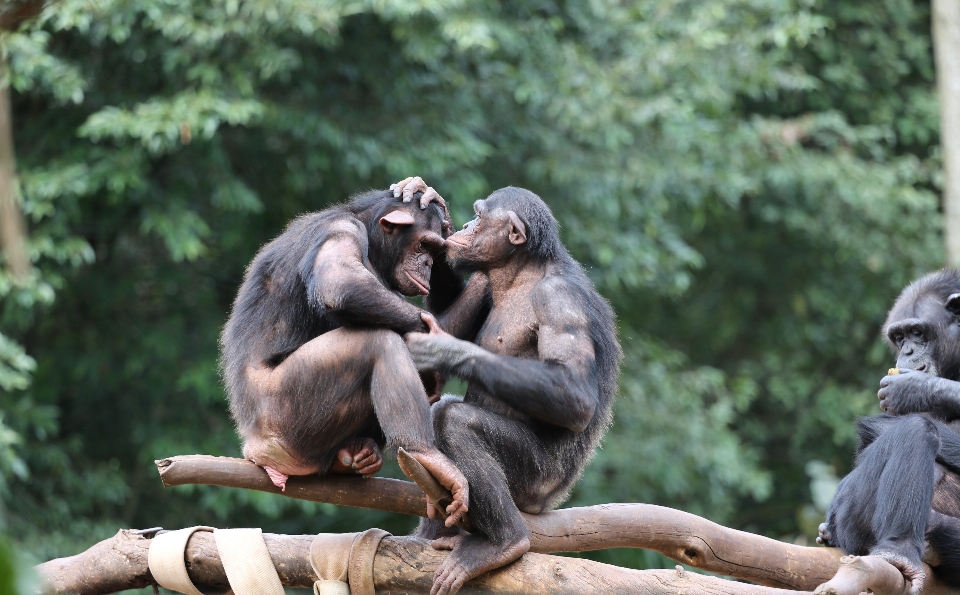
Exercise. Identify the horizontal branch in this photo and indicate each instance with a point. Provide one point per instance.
(681, 536)
(407, 564)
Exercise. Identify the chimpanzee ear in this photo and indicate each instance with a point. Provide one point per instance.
(394, 219)
(518, 231)
(953, 304)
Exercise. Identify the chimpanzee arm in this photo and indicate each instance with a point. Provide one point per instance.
(560, 388)
(344, 287)
(911, 391)
(464, 317)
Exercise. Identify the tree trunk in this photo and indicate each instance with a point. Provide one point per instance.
(946, 44)
(12, 228)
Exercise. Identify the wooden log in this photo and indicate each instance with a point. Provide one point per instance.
(681, 536)
(406, 564)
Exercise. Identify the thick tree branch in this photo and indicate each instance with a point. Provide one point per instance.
(406, 565)
(681, 536)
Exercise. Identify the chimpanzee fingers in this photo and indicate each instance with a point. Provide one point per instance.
(374, 458)
(345, 457)
(370, 468)
(430, 195)
(364, 457)
(413, 185)
(885, 381)
(398, 187)
(432, 323)
(455, 512)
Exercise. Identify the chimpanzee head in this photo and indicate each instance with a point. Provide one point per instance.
(404, 239)
(508, 221)
(923, 326)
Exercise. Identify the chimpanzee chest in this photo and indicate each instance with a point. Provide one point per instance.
(510, 329)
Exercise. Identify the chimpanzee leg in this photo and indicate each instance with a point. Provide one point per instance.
(483, 444)
(943, 535)
(882, 507)
(330, 390)
(870, 428)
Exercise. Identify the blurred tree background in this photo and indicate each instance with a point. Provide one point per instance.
(750, 182)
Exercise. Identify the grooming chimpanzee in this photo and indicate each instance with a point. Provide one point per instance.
(541, 380)
(905, 488)
(316, 372)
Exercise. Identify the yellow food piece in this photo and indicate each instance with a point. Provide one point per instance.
(893, 371)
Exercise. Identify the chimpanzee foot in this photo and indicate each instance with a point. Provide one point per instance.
(823, 537)
(472, 555)
(360, 455)
(449, 477)
(278, 479)
(448, 542)
(911, 569)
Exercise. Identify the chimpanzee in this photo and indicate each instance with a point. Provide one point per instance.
(541, 380)
(905, 488)
(316, 372)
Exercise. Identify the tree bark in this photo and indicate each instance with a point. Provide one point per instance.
(406, 565)
(681, 536)
(12, 228)
(945, 16)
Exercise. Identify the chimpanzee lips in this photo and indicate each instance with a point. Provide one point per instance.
(456, 242)
(423, 287)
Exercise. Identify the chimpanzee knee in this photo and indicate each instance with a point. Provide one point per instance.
(897, 467)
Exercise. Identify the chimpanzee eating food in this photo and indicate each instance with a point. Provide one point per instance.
(541, 380)
(317, 375)
(905, 488)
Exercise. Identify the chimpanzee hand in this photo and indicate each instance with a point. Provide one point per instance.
(360, 455)
(909, 391)
(410, 186)
(437, 350)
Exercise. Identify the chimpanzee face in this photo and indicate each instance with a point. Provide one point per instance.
(417, 242)
(489, 238)
(925, 333)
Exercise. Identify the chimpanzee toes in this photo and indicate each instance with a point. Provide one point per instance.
(912, 569)
(447, 542)
(449, 577)
(823, 537)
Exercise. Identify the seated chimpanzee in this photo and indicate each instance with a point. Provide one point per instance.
(905, 488)
(541, 380)
(316, 372)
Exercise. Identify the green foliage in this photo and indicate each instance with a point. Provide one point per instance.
(750, 182)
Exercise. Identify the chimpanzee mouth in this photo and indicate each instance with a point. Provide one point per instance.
(423, 287)
(457, 242)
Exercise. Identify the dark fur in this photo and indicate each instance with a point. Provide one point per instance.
(905, 488)
(278, 309)
(528, 457)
